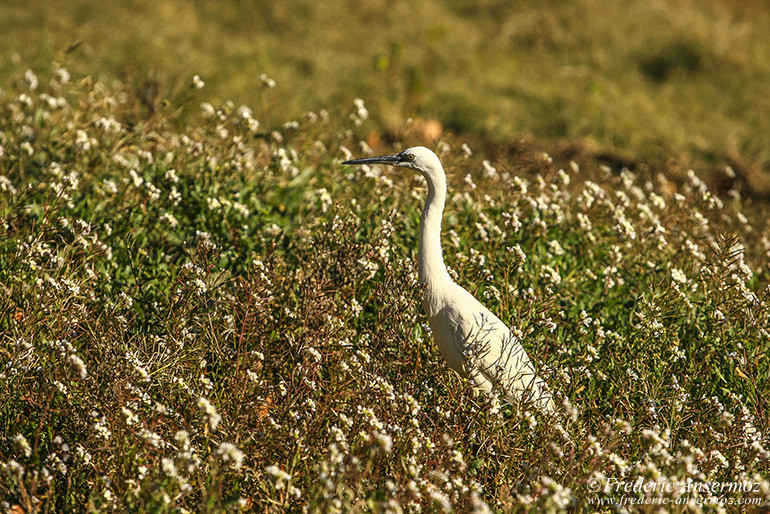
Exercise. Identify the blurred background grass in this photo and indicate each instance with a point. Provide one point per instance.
(652, 80)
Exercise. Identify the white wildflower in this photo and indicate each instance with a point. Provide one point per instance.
(167, 465)
(23, 444)
(279, 477)
(213, 418)
(678, 275)
(79, 366)
(267, 81)
(228, 452)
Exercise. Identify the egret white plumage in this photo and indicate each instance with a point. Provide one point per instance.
(473, 341)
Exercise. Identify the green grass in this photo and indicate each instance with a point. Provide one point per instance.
(677, 79)
(215, 315)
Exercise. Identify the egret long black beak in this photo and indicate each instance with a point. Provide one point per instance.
(392, 160)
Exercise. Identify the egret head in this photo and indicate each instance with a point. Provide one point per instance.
(417, 158)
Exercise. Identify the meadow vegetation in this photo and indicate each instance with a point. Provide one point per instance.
(201, 310)
(221, 317)
(661, 80)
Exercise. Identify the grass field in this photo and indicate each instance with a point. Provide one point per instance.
(202, 310)
(666, 79)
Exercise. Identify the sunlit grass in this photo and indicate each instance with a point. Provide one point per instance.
(222, 317)
(658, 79)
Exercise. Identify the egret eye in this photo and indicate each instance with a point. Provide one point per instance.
(409, 157)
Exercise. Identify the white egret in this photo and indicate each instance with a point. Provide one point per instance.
(473, 341)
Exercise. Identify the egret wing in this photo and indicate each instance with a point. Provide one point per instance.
(493, 357)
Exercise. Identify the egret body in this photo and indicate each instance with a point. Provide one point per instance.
(473, 341)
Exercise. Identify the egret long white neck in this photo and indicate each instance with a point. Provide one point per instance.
(431, 269)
